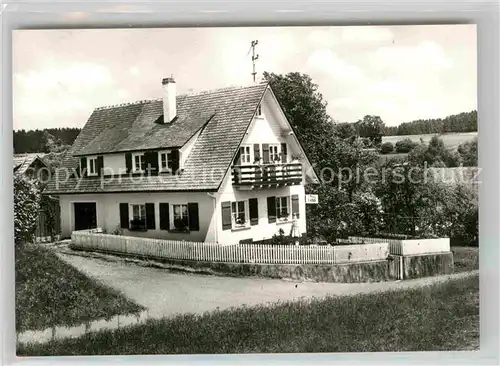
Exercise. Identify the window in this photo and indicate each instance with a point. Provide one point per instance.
(180, 217)
(282, 211)
(246, 155)
(273, 153)
(137, 160)
(165, 161)
(259, 111)
(92, 165)
(238, 214)
(138, 221)
(139, 212)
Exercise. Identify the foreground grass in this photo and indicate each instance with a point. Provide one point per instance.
(50, 292)
(438, 317)
(465, 258)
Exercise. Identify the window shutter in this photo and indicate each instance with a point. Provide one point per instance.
(150, 216)
(265, 153)
(284, 152)
(175, 161)
(83, 166)
(226, 215)
(253, 204)
(144, 162)
(194, 218)
(100, 165)
(271, 209)
(124, 221)
(164, 216)
(237, 158)
(256, 152)
(295, 205)
(128, 162)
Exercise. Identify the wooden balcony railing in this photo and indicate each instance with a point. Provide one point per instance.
(255, 176)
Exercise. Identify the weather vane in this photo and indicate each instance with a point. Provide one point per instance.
(254, 57)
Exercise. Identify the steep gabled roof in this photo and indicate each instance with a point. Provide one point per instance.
(223, 116)
(22, 162)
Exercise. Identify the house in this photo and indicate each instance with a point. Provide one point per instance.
(31, 165)
(221, 166)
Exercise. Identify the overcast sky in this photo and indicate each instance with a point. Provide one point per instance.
(399, 73)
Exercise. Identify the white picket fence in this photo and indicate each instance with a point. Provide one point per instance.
(235, 253)
(409, 246)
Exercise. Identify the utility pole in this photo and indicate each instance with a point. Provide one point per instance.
(254, 58)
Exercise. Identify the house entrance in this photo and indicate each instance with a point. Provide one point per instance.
(85, 215)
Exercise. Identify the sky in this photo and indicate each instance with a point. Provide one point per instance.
(400, 73)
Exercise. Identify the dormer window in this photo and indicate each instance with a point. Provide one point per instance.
(138, 159)
(259, 111)
(165, 161)
(92, 165)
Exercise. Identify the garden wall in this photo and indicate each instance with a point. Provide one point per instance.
(409, 246)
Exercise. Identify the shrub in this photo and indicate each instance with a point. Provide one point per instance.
(387, 148)
(26, 206)
(405, 146)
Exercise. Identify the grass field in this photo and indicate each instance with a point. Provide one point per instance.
(465, 258)
(439, 317)
(50, 292)
(451, 140)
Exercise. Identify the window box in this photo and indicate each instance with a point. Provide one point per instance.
(181, 224)
(138, 225)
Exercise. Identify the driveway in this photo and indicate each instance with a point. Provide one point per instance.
(167, 293)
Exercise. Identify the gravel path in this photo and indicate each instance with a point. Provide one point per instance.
(167, 293)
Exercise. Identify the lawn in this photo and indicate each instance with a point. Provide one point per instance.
(50, 292)
(465, 258)
(443, 316)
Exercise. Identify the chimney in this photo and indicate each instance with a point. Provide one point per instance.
(169, 99)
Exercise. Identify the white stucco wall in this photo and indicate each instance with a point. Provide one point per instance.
(108, 212)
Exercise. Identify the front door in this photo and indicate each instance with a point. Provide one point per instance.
(85, 215)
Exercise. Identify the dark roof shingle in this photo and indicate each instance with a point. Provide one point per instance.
(223, 115)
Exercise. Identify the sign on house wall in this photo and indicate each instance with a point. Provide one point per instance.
(312, 199)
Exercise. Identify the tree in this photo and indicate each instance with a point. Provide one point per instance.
(386, 148)
(345, 130)
(371, 127)
(305, 108)
(409, 200)
(435, 154)
(405, 146)
(468, 153)
(26, 205)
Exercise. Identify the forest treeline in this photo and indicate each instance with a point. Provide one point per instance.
(462, 122)
(39, 140)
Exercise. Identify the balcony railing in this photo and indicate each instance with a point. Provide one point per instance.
(256, 176)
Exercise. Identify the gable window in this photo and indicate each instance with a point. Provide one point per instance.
(92, 165)
(238, 214)
(166, 161)
(246, 155)
(274, 155)
(282, 208)
(180, 217)
(259, 111)
(138, 159)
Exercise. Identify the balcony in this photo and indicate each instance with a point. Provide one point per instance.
(263, 176)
